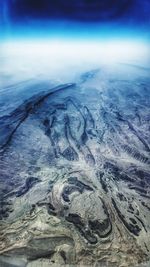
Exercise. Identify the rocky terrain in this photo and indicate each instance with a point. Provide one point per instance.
(75, 176)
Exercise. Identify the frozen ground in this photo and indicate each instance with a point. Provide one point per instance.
(74, 162)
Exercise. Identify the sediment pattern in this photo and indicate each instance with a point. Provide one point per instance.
(75, 180)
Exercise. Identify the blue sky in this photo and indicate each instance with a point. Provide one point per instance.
(79, 19)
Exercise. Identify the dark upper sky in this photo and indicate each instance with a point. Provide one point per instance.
(80, 10)
(83, 10)
(124, 12)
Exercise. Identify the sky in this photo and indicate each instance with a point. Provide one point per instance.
(74, 18)
(59, 39)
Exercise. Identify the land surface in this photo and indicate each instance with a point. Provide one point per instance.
(74, 173)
